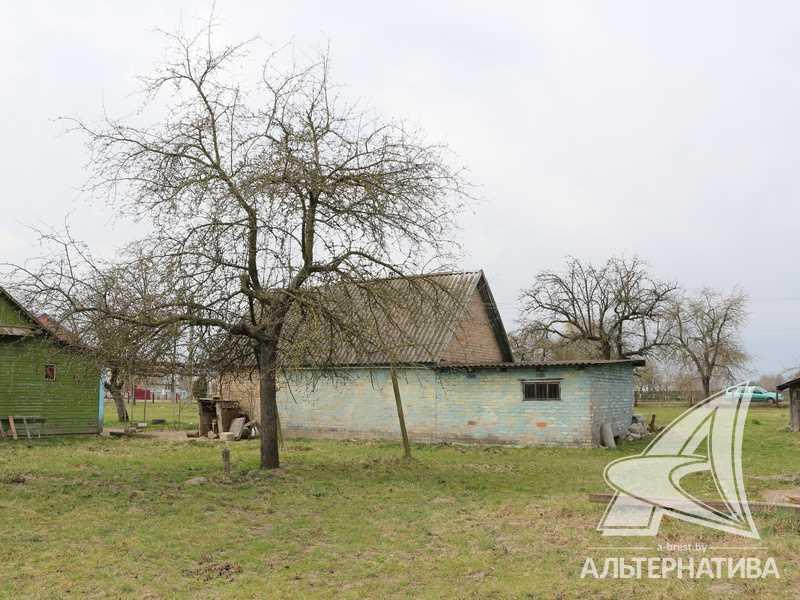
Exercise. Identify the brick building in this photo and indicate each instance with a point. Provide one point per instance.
(458, 382)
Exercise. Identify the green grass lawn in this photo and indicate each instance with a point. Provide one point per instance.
(181, 416)
(97, 517)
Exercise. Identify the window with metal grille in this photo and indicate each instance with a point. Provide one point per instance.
(541, 390)
(50, 372)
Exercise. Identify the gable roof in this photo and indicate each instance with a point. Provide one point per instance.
(33, 326)
(494, 318)
(57, 330)
(417, 334)
(416, 330)
(42, 325)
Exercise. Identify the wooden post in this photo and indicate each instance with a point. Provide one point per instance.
(280, 431)
(400, 416)
(794, 409)
(131, 385)
(226, 461)
(12, 427)
(218, 412)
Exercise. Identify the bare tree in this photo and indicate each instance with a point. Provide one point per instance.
(528, 346)
(261, 201)
(770, 381)
(532, 344)
(125, 349)
(121, 348)
(617, 309)
(705, 334)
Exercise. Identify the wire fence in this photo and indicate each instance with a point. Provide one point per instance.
(160, 414)
(666, 396)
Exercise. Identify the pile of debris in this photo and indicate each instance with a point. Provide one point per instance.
(240, 429)
(225, 420)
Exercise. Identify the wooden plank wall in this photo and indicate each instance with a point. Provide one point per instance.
(70, 403)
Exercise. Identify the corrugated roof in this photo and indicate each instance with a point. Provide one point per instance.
(634, 362)
(57, 329)
(39, 325)
(414, 330)
(787, 384)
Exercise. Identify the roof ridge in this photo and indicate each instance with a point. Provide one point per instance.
(424, 275)
(25, 312)
(636, 362)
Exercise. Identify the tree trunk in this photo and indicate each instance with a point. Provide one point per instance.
(119, 403)
(270, 458)
(114, 385)
(706, 386)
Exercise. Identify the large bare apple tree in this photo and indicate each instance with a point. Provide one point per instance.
(609, 311)
(258, 197)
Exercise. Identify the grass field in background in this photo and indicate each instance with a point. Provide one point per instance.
(106, 518)
(178, 415)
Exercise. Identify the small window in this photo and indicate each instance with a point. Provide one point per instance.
(541, 390)
(50, 372)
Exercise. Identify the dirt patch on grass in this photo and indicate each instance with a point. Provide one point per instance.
(208, 569)
(492, 467)
(298, 448)
(444, 500)
(783, 478)
(782, 496)
(14, 478)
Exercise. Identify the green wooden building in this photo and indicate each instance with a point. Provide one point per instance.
(45, 376)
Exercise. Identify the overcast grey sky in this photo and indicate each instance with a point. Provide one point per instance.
(670, 130)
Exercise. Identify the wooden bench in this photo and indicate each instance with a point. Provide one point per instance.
(31, 423)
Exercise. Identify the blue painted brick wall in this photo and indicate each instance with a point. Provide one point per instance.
(612, 398)
(453, 405)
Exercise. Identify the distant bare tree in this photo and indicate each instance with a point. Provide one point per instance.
(121, 348)
(125, 351)
(531, 344)
(260, 201)
(124, 348)
(770, 381)
(706, 334)
(618, 310)
(647, 379)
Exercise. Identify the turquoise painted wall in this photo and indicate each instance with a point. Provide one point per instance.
(612, 398)
(453, 405)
